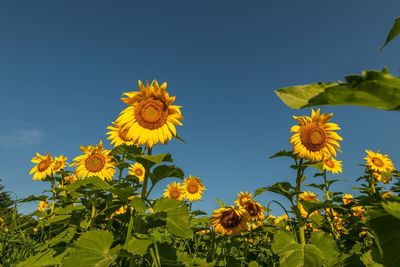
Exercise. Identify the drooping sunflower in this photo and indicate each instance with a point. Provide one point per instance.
(43, 167)
(306, 196)
(194, 188)
(378, 162)
(151, 116)
(347, 199)
(332, 165)
(175, 191)
(95, 161)
(242, 198)
(137, 170)
(117, 135)
(254, 209)
(42, 206)
(58, 163)
(229, 220)
(315, 138)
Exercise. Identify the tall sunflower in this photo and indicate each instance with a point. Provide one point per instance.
(194, 188)
(315, 138)
(378, 162)
(332, 165)
(117, 135)
(175, 191)
(151, 116)
(137, 170)
(59, 163)
(307, 196)
(95, 161)
(43, 166)
(243, 198)
(254, 209)
(229, 220)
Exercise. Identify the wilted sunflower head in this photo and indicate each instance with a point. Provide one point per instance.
(193, 188)
(229, 220)
(175, 191)
(42, 206)
(332, 165)
(43, 166)
(242, 198)
(347, 199)
(137, 170)
(95, 161)
(118, 135)
(151, 116)
(315, 138)
(59, 163)
(378, 162)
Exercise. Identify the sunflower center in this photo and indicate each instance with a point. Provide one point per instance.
(57, 165)
(43, 165)
(329, 163)
(230, 219)
(377, 162)
(313, 136)
(252, 208)
(174, 193)
(95, 163)
(138, 172)
(192, 188)
(150, 114)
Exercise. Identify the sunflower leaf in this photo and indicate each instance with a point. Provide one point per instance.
(165, 171)
(394, 32)
(283, 153)
(282, 188)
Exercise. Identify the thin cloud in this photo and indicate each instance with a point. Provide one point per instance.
(21, 138)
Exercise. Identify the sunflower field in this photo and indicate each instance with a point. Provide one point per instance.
(97, 210)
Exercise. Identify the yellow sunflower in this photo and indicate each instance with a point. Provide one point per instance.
(229, 220)
(137, 170)
(70, 179)
(358, 211)
(306, 196)
(315, 137)
(194, 188)
(42, 206)
(95, 161)
(378, 162)
(254, 209)
(151, 116)
(332, 165)
(175, 191)
(43, 167)
(347, 199)
(117, 135)
(382, 177)
(58, 163)
(242, 198)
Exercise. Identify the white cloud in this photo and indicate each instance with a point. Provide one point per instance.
(21, 138)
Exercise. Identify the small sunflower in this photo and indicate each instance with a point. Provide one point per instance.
(242, 198)
(58, 163)
(378, 162)
(137, 170)
(229, 220)
(175, 191)
(332, 165)
(335, 218)
(151, 116)
(254, 209)
(117, 135)
(306, 196)
(42, 206)
(315, 137)
(95, 161)
(194, 188)
(70, 179)
(347, 199)
(382, 177)
(358, 211)
(43, 167)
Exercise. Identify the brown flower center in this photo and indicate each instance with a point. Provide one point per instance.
(252, 208)
(43, 165)
(95, 163)
(174, 193)
(230, 219)
(313, 136)
(192, 188)
(329, 163)
(151, 113)
(377, 162)
(138, 172)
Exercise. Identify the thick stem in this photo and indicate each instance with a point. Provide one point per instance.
(301, 223)
(146, 177)
(53, 200)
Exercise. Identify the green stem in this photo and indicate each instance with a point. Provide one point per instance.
(301, 223)
(372, 185)
(93, 213)
(53, 203)
(146, 177)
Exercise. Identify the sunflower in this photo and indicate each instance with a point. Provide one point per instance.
(193, 188)
(229, 220)
(382, 177)
(137, 170)
(117, 135)
(174, 191)
(378, 162)
(315, 137)
(242, 198)
(335, 218)
(150, 117)
(358, 211)
(332, 165)
(58, 163)
(43, 167)
(387, 194)
(70, 179)
(306, 196)
(42, 206)
(254, 209)
(283, 218)
(95, 161)
(347, 199)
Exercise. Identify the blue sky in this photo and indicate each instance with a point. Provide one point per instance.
(65, 64)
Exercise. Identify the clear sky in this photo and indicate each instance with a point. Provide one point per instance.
(65, 64)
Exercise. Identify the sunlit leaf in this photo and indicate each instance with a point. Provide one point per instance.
(330, 251)
(165, 171)
(395, 31)
(138, 246)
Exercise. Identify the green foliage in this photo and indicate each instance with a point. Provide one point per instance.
(395, 31)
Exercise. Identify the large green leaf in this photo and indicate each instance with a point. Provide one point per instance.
(377, 89)
(393, 32)
(138, 246)
(92, 248)
(293, 254)
(328, 247)
(42, 259)
(177, 216)
(165, 171)
(95, 182)
(282, 188)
